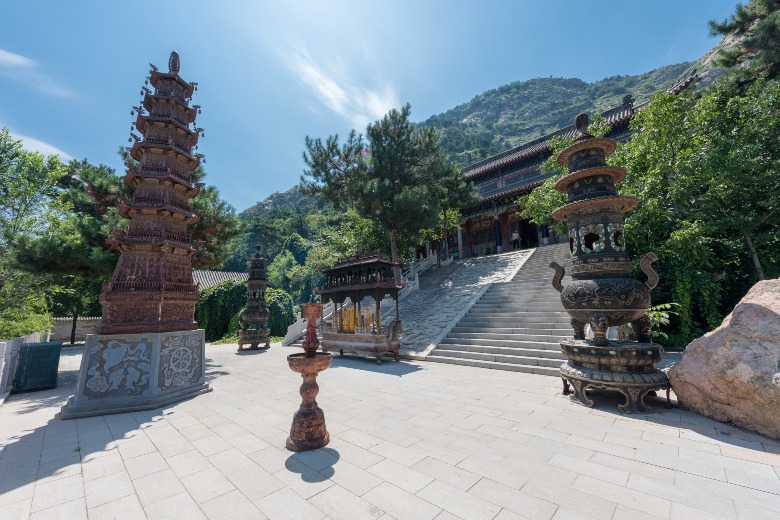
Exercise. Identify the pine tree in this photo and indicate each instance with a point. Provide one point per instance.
(756, 52)
(402, 187)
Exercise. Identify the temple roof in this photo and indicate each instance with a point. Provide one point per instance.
(614, 116)
(208, 279)
(370, 259)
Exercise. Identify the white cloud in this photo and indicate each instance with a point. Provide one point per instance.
(9, 59)
(23, 70)
(358, 104)
(36, 145)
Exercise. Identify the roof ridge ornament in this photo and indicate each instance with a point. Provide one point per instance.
(581, 123)
(174, 63)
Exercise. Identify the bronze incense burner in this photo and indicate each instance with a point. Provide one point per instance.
(602, 293)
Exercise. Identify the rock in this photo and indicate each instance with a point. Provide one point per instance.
(732, 373)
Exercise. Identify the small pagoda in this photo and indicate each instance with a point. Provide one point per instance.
(254, 318)
(151, 288)
(148, 350)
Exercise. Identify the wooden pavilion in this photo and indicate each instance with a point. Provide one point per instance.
(357, 287)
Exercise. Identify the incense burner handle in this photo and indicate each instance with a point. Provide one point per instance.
(652, 276)
(559, 272)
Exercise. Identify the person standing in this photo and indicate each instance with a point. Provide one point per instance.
(515, 239)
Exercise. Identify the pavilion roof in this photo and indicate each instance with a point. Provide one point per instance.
(374, 259)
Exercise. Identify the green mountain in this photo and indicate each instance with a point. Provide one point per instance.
(291, 199)
(524, 110)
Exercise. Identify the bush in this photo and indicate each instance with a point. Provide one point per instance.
(281, 306)
(218, 305)
(22, 309)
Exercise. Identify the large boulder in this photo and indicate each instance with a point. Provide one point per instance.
(732, 373)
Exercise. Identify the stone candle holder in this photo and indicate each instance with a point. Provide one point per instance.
(308, 430)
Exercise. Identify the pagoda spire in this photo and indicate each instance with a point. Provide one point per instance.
(151, 289)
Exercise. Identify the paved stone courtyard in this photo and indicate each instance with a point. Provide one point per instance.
(409, 440)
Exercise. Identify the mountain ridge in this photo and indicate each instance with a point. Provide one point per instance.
(504, 117)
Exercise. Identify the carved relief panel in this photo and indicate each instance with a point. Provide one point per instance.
(118, 368)
(180, 361)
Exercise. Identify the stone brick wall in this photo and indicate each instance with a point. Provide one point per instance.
(84, 326)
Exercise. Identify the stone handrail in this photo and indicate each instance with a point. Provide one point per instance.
(9, 358)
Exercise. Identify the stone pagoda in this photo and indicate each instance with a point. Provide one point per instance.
(148, 350)
(602, 293)
(254, 318)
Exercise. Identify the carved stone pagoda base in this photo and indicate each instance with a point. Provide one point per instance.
(627, 367)
(133, 372)
(308, 430)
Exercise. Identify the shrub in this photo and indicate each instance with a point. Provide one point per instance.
(218, 305)
(281, 306)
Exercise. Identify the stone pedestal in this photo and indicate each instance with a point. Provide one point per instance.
(627, 367)
(308, 427)
(134, 372)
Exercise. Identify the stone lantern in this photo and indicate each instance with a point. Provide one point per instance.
(602, 292)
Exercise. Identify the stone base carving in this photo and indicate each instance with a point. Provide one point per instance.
(624, 366)
(133, 372)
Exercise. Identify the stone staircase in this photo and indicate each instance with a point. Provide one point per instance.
(516, 325)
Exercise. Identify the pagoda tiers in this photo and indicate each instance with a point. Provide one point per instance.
(151, 289)
(254, 318)
(148, 351)
(354, 328)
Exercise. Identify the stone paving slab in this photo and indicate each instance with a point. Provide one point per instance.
(408, 440)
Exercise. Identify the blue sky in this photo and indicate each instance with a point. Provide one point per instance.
(270, 73)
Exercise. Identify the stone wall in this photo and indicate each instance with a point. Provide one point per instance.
(84, 326)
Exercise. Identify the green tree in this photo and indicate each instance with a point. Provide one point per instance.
(75, 296)
(705, 168)
(280, 307)
(402, 187)
(26, 180)
(756, 51)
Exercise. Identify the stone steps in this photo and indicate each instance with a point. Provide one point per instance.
(539, 353)
(514, 367)
(516, 325)
(504, 358)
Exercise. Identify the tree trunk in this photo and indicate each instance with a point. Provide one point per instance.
(446, 241)
(73, 327)
(754, 255)
(394, 255)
